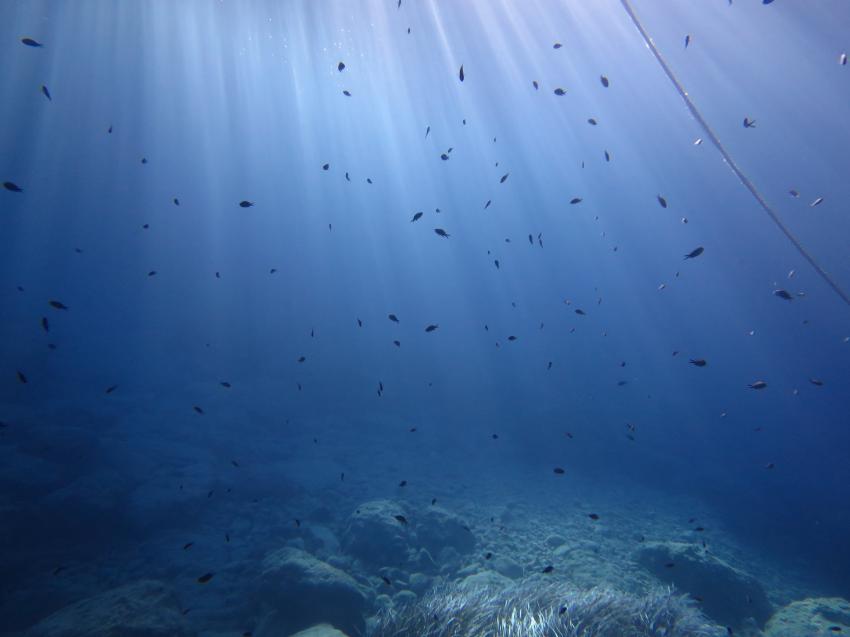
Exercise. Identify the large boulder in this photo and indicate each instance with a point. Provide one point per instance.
(304, 591)
(322, 630)
(375, 535)
(141, 609)
(816, 617)
(729, 595)
(438, 529)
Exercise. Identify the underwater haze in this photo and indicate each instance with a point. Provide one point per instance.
(343, 311)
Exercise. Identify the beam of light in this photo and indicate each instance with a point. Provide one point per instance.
(650, 44)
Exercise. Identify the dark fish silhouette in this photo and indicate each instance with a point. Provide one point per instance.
(558, 471)
(198, 410)
(749, 123)
(504, 178)
(31, 42)
(557, 45)
(325, 166)
(487, 205)
(699, 362)
(548, 569)
(816, 381)
(592, 122)
(246, 204)
(203, 579)
(693, 254)
(759, 384)
(346, 93)
(559, 92)
(783, 294)
(225, 384)
(58, 305)
(662, 201)
(176, 201)
(593, 516)
(687, 40)
(44, 324)
(581, 312)
(442, 233)
(401, 519)
(393, 318)
(301, 359)
(22, 377)
(12, 186)
(604, 81)
(427, 130)
(431, 328)
(111, 389)
(340, 67)
(535, 85)
(460, 73)
(416, 217)
(46, 92)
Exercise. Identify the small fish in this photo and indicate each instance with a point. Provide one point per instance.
(487, 205)
(58, 305)
(496, 262)
(783, 294)
(559, 471)
(535, 85)
(111, 389)
(359, 323)
(386, 580)
(58, 570)
(152, 273)
(109, 130)
(347, 93)
(297, 523)
(560, 92)
(245, 204)
(31, 42)
(699, 362)
(557, 45)
(816, 202)
(347, 178)
(176, 201)
(198, 409)
(662, 201)
(397, 343)
(698, 141)
(488, 555)
(401, 519)
(580, 312)
(759, 384)
(340, 67)
(504, 178)
(427, 130)
(325, 166)
(607, 156)
(593, 516)
(444, 157)
(592, 121)
(794, 193)
(749, 123)
(669, 565)
(460, 73)
(46, 92)
(575, 200)
(203, 579)
(234, 463)
(403, 483)
(416, 216)
(44, 324)
(442, 233)
(816, 381)
(548, 569)
(842, 59)
(431, 328)
(393, 318)
(687, 40)
(511, 338)
(12, 186)
(693, 254)
(769, 465)
(604, 81)
(301, 359)
(22, 379)
(188, 545)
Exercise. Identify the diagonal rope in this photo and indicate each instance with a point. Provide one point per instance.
(728, 158)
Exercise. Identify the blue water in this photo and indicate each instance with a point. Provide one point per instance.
(234, 100)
